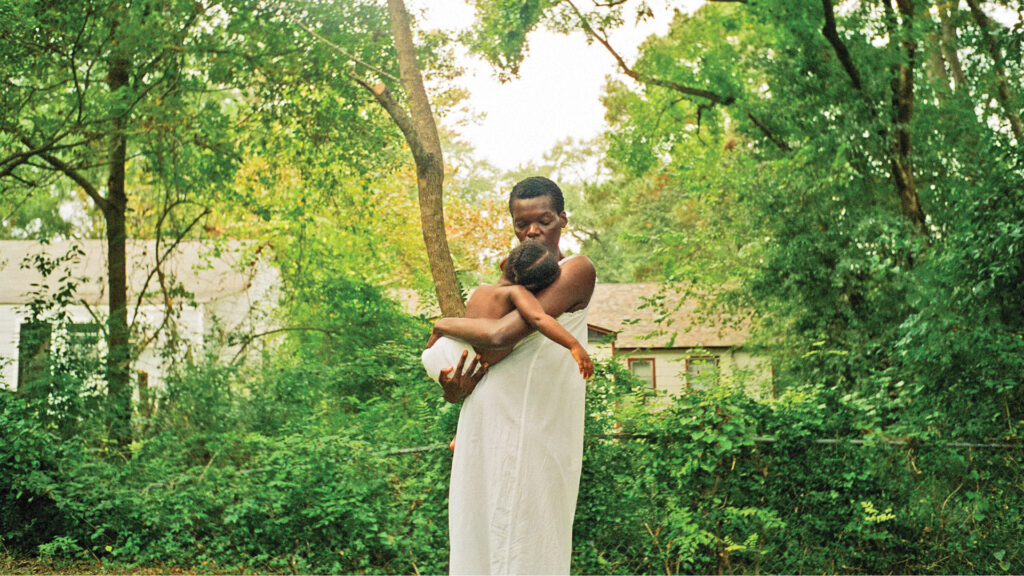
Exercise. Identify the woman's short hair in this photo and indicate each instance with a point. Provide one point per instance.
(533, 266)
(535, 186)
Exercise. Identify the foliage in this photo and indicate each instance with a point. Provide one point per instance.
(279, 469)
(848, 175)
(963, 346)
(59, 384)
(697, 488)
(173, 119)
(29, 454)
(235, 468)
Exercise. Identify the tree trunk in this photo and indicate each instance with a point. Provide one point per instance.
(903, 100)
(949, 46)
(426, 150)
(935, 66)
(119, 393)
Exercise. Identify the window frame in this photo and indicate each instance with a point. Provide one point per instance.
(689, 359)
(654, 372)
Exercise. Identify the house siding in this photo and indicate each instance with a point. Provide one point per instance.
(736, 367)
(229, 289)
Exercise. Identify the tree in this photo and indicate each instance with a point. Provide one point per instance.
(905, 28)
(85, 80)
(805, 157)
(147, 108)
(426, 146)
(414, 118)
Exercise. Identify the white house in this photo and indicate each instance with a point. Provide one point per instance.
(668, 342)
(227, 284)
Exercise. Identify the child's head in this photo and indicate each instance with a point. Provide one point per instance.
(532, 265)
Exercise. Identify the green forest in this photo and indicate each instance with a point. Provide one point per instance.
(847, 176)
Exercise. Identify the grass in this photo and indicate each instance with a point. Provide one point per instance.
(29, 565)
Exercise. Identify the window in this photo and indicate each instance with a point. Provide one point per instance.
(701, 371)
(67, 348)
(643, 368)
(599, 336)
(85, 351)
(84, 342)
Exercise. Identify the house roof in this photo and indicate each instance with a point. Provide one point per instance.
(209, 272)
(646, 315)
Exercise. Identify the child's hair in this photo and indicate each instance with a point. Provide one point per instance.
(532, 265)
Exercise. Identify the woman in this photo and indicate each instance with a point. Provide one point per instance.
(516, 468)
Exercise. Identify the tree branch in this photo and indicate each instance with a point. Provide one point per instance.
(779, 142)
(394, 109)
(644, 79)
(70, 172)
(1002, 88)
(341, 50)
(163, 257)
(832, 35)
(713, 97)
(18, 206)
(949, 48)
(253, 337)
(13, 162)
(18, 158)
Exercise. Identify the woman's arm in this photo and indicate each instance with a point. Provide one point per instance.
(571, 291)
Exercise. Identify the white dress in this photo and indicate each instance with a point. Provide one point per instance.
(518, 455)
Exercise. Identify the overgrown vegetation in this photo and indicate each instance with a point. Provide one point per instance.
(296, 471)
(849, 176)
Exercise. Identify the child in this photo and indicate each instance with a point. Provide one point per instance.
(530, 268)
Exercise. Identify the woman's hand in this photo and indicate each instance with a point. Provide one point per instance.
(579, 353)
(434, 336)
(458, 384)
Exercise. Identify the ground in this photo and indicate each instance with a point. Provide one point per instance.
(28, 565)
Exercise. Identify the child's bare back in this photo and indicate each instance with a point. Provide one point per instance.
(496, 300)
(490, 301)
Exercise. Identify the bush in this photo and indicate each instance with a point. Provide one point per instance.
(277, 471)
(209, 485)
(719, 484)
(29, 469)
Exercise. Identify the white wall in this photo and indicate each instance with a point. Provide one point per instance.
(191, 326)
(735, 367)
(10, 321)
(247, 310)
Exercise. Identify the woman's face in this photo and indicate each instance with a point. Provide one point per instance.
(535, 219)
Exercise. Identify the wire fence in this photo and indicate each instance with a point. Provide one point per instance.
(769, 440)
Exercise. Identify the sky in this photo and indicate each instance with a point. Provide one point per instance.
(557, 95)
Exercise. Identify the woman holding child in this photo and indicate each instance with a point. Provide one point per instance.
(519, 449)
